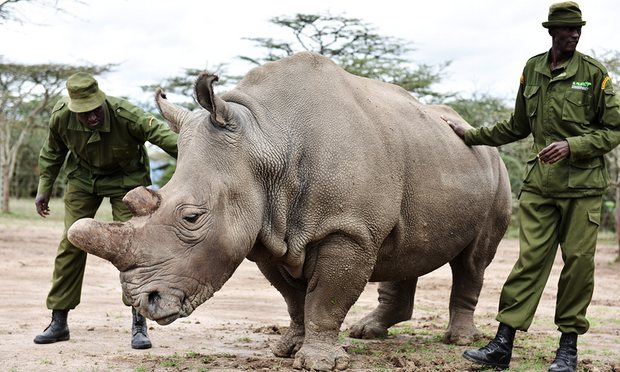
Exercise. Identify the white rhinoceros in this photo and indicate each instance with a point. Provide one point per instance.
(327, 181)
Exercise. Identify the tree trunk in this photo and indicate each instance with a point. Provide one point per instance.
(617, 202)
(5, 188)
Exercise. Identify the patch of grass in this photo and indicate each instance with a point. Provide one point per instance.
(24, 210)
(406, 348)
(245, 340)
(358, 347)
(171, 361)
(401, 330)
(204, 359)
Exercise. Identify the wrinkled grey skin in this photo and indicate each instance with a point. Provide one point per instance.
(327, 181)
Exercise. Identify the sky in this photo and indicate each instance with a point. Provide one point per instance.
(487, 41)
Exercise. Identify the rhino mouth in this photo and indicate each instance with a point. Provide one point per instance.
(165, 309)
(167, 319)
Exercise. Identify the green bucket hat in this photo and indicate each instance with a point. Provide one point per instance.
(564, 14)
(84, 93)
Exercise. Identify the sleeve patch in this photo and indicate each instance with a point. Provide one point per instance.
(605, 81)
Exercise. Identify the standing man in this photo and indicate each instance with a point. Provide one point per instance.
(567, 102)
(100, 140)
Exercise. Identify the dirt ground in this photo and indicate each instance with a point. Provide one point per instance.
(233, 330)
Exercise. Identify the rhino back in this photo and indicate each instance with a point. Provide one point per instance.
(368, 159)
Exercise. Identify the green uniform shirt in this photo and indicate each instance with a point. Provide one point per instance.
(111, 157)
(577, 103)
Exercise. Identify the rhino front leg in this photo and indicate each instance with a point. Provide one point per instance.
(395, 306)
(294, 292)
(341, 270)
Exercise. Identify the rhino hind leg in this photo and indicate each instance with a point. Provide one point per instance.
(467, 279)
(395, 306)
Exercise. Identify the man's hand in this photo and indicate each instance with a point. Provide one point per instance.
(554, 152)
(41, 201)
(457, 127)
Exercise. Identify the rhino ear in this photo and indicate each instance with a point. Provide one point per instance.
(206, 98)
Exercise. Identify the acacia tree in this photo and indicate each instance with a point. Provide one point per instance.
(27, 93)
(356, 46)
(9, 8)
(352, 43)
(611, 59)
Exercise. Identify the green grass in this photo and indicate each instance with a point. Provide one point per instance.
(24, 210)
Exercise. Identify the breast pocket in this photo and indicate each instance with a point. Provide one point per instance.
(576, 106)
(530, 93)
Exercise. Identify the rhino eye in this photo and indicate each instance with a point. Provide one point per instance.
(191, 218)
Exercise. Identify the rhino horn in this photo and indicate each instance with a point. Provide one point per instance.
(142, 201)
(110, 241)
(175, 115)
(220, 113)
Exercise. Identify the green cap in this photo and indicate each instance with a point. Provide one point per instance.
(84, 93)
(564, 14)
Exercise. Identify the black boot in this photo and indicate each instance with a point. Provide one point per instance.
(58, 330)
(498, 352)
(566, 355)
(139, 335)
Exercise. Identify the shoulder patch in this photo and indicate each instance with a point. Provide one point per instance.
(522, 79)
(605, 81)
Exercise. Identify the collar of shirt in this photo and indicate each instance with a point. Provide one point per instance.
(543, 66)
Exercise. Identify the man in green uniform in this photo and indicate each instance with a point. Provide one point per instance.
(100, 140)
(567, 102)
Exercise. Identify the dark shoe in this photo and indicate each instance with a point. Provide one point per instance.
(139, 335)
(498, 352)
(566, 355)
(58, 330)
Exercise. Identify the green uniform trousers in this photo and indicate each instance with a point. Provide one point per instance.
(544, 223)
(70, 261)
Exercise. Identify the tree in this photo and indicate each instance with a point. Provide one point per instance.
(611, 59)
(9, 12)
(27, 93)
(184, 85)
(354, 45)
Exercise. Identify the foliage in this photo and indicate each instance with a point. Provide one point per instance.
(9, 12)
(610, 218)
(356, 46)
(27, 94)
(183, 85)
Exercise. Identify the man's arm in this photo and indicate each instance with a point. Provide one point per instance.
(147, 127)
(51, 158)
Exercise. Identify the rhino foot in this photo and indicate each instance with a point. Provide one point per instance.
(461, 329)
(289, 343)
(463, 335)
(321, 357)
(368, 328)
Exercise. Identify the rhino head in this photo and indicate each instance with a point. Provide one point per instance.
(186, 239)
